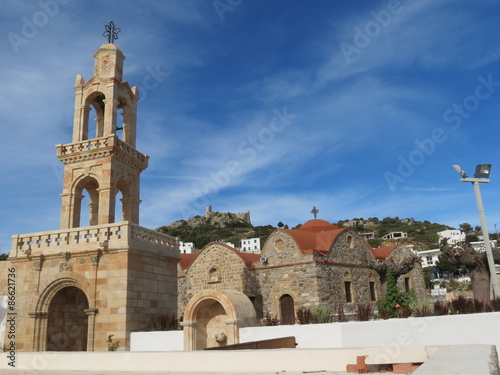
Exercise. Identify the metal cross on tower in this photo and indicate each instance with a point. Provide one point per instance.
(111, 32)
(314, 211)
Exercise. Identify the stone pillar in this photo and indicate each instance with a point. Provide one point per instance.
(39, 342)
(91, 328)
(107, 200)
(130, 209)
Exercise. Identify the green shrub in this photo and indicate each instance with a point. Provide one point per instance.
(396, 302)
(321, 314)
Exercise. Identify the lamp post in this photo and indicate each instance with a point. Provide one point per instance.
(481, 175)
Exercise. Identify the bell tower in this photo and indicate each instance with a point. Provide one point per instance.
(102, 160)
(79, 285)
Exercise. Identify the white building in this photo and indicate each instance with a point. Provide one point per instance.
(395, 235)
(250, 245)
(454, 236)
(428, 257)
(186, 247)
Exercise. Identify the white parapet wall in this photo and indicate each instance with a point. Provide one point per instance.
(459, 360)
(395, 333)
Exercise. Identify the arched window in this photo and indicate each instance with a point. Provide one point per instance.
(287, 309)
(348, 288)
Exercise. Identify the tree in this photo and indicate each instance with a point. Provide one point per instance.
(280, 224)
(434, 237)
(4, 256)
(466, 227)
(443, 263)
(477, 263)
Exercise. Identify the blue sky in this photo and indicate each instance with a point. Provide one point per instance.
(359, 108)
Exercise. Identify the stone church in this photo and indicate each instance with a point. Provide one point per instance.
(76, 286)
(319, 264)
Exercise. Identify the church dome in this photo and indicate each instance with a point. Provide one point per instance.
(317, 225)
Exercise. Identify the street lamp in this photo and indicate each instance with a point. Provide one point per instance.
(481, 175)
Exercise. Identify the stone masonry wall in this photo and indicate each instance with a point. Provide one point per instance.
(216, 267)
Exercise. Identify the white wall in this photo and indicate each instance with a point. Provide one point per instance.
(437, 330)
(3, 318)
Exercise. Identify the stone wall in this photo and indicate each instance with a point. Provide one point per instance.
(97, 287)
(216, 267)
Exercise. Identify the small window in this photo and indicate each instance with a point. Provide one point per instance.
(407, 284)
(348, 295)
(373, 296)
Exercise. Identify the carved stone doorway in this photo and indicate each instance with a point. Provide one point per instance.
(67, 324)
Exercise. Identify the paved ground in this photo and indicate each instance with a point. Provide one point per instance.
(24, 372)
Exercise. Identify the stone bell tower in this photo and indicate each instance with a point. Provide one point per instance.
(98, 160)
(81, 284)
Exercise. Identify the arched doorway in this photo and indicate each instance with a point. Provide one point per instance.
(213, 318)
(287, 309)
(67, 325)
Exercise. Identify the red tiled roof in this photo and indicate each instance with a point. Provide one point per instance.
(186, 260)
(247, 258)
(315, 236)
(383, 252)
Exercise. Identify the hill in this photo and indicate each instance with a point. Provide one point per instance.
(229, 227)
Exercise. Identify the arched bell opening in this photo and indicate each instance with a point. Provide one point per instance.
(94, 129)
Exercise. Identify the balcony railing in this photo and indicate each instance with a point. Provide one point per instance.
(107, 236)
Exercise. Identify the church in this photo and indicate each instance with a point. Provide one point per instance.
(87, 285)
(318, 264)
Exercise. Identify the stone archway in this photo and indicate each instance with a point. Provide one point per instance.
(213, 318)
(67, 320)
(71, 296)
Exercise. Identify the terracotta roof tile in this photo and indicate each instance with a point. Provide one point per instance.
(383, 252)
(315, 236)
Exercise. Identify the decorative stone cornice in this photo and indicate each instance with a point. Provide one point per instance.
(103, 147)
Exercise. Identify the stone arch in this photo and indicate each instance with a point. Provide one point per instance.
(67, 320)
(213, 318)
(45, 308)
(90, 184)
(129, 202)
